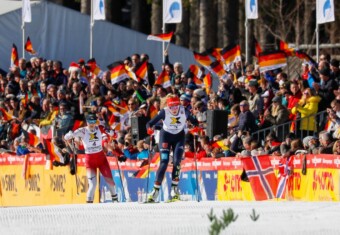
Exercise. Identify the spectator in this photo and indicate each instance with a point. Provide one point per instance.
(247, 119)
(255, 101)
(336, 148)
(277, 114)
(63, 122)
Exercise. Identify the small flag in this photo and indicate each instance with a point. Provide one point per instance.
(172, 11)
(215, 52)
(5, 115)
(202, 58)
(55, 152)
(118, 74)
(77, 124)
(251, 9)
(207, 83)
(33, 140)
(272, 60)
(163, 79)
(98, 10)
(286, 49)
(285, 170)
(324, 11)
(26, 11)
(94, 68)
(14, 56)
(162, 37)
(304, 56)
(220, 144)
(153, 111)
(142, 71)
(231, 54)
(29, 47)
(144, 170)
(257, 47)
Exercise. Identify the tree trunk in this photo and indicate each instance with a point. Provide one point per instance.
(194, 25)
(307, 22)
(207, 25)
(221, 23)
(183, 28)
(108, 10)
(85, 6)
(156, 16)
(232, 17)
(136, 15)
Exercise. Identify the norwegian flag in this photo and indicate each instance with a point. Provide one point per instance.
(285, 170)
(261, 176)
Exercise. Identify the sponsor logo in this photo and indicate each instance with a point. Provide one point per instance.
(323, 181)
(57, 183)
(232, 183)
(32, 183)
(175, 120)
(8, 183)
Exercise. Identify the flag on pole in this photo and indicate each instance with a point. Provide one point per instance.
(162, 37)
(251, 9)
(26, 11)
(261, 176)
(14, 56)
(304, 56)
(94, 68)
(215, 52)
(324, 11)
(29, 47)
(207, 83)
(98, 10)
(172, 11)
(142, 71)
(285, 171)
(217, 67)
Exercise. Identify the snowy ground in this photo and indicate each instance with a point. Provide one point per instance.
(187, 218)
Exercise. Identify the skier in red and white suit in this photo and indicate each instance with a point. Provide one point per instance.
(91, 137)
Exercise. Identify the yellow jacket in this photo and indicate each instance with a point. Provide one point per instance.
(308, 109)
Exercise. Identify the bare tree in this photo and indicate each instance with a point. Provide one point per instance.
(207, 24)
(183, 28)
(156, 16)
(85, 7)
(194, 25)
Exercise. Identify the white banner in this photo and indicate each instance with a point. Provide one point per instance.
(26, 11)
(251, 9)
(172, 11)
(324, 11)
(98, 9)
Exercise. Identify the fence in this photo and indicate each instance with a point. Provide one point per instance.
(282, 130)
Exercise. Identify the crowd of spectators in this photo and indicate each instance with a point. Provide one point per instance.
(41, 95)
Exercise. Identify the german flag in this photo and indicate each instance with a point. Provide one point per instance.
(231, 54)
(152, 111)
(207, 83)
(220, 144)
(110, 106)
(33, 140)
(14, 56)
(142, 173)
(304, 56)
(5, 115)
(195, 73)
(257, 47)
(114, 120)
(77, 124)
(283, 46)
(202, 58)
(163, 79)
(215, 52)
(55, 152)
(118, 74)
(94, 68)
(162, 37)
(217, 67)
(142, 71)
(29, 47)
(272, 60)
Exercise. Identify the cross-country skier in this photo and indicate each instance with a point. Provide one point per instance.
(172, 137)
(91, 137)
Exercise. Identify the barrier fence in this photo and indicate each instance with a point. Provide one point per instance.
(219, 179)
